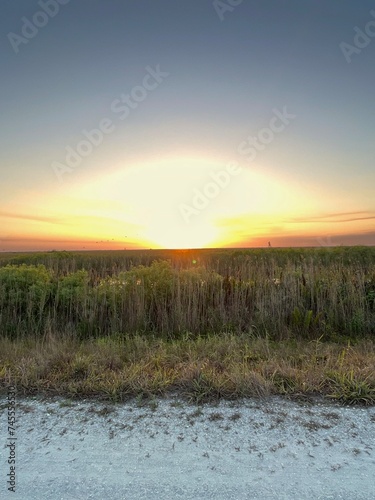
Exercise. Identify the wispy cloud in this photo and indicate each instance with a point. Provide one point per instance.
(35, 218)
(336, 217)
(67, 220)
(32, 244)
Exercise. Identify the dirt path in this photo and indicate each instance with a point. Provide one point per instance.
(255, 449)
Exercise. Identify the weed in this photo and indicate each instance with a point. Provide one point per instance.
(350, 389)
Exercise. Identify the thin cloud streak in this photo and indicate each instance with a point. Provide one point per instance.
(48, 220)
(330, 218)
(68, 221)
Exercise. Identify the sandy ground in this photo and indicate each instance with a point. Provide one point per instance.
(255, 449)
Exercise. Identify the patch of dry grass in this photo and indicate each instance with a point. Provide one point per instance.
(219, 366)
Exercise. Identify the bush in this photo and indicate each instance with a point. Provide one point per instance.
(21, 284)
(24, 291)
(73, 287)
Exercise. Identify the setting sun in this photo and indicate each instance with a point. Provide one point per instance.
(179, 203)
(175, 142)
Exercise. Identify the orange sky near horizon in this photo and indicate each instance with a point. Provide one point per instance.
(186, 203)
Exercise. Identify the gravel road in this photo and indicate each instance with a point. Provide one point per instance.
(169, 449)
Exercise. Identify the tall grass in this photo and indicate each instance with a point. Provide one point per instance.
(308, 293)
(205, 368)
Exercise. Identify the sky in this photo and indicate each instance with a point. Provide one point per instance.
(186, 123)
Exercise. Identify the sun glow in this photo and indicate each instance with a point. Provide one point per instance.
(174, 203)
(178, 236)
(149, 197)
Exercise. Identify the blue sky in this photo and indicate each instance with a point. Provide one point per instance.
(225, 79)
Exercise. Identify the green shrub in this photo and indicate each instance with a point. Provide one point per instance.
(73, 287)
(24, 292)
(20, 285)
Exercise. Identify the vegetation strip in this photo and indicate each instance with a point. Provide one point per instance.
(201, 369)
(207, 323)
(280, 293)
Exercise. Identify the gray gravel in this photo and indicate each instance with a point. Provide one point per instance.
(255, 449)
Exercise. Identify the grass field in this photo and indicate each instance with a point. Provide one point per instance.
(208, 323)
